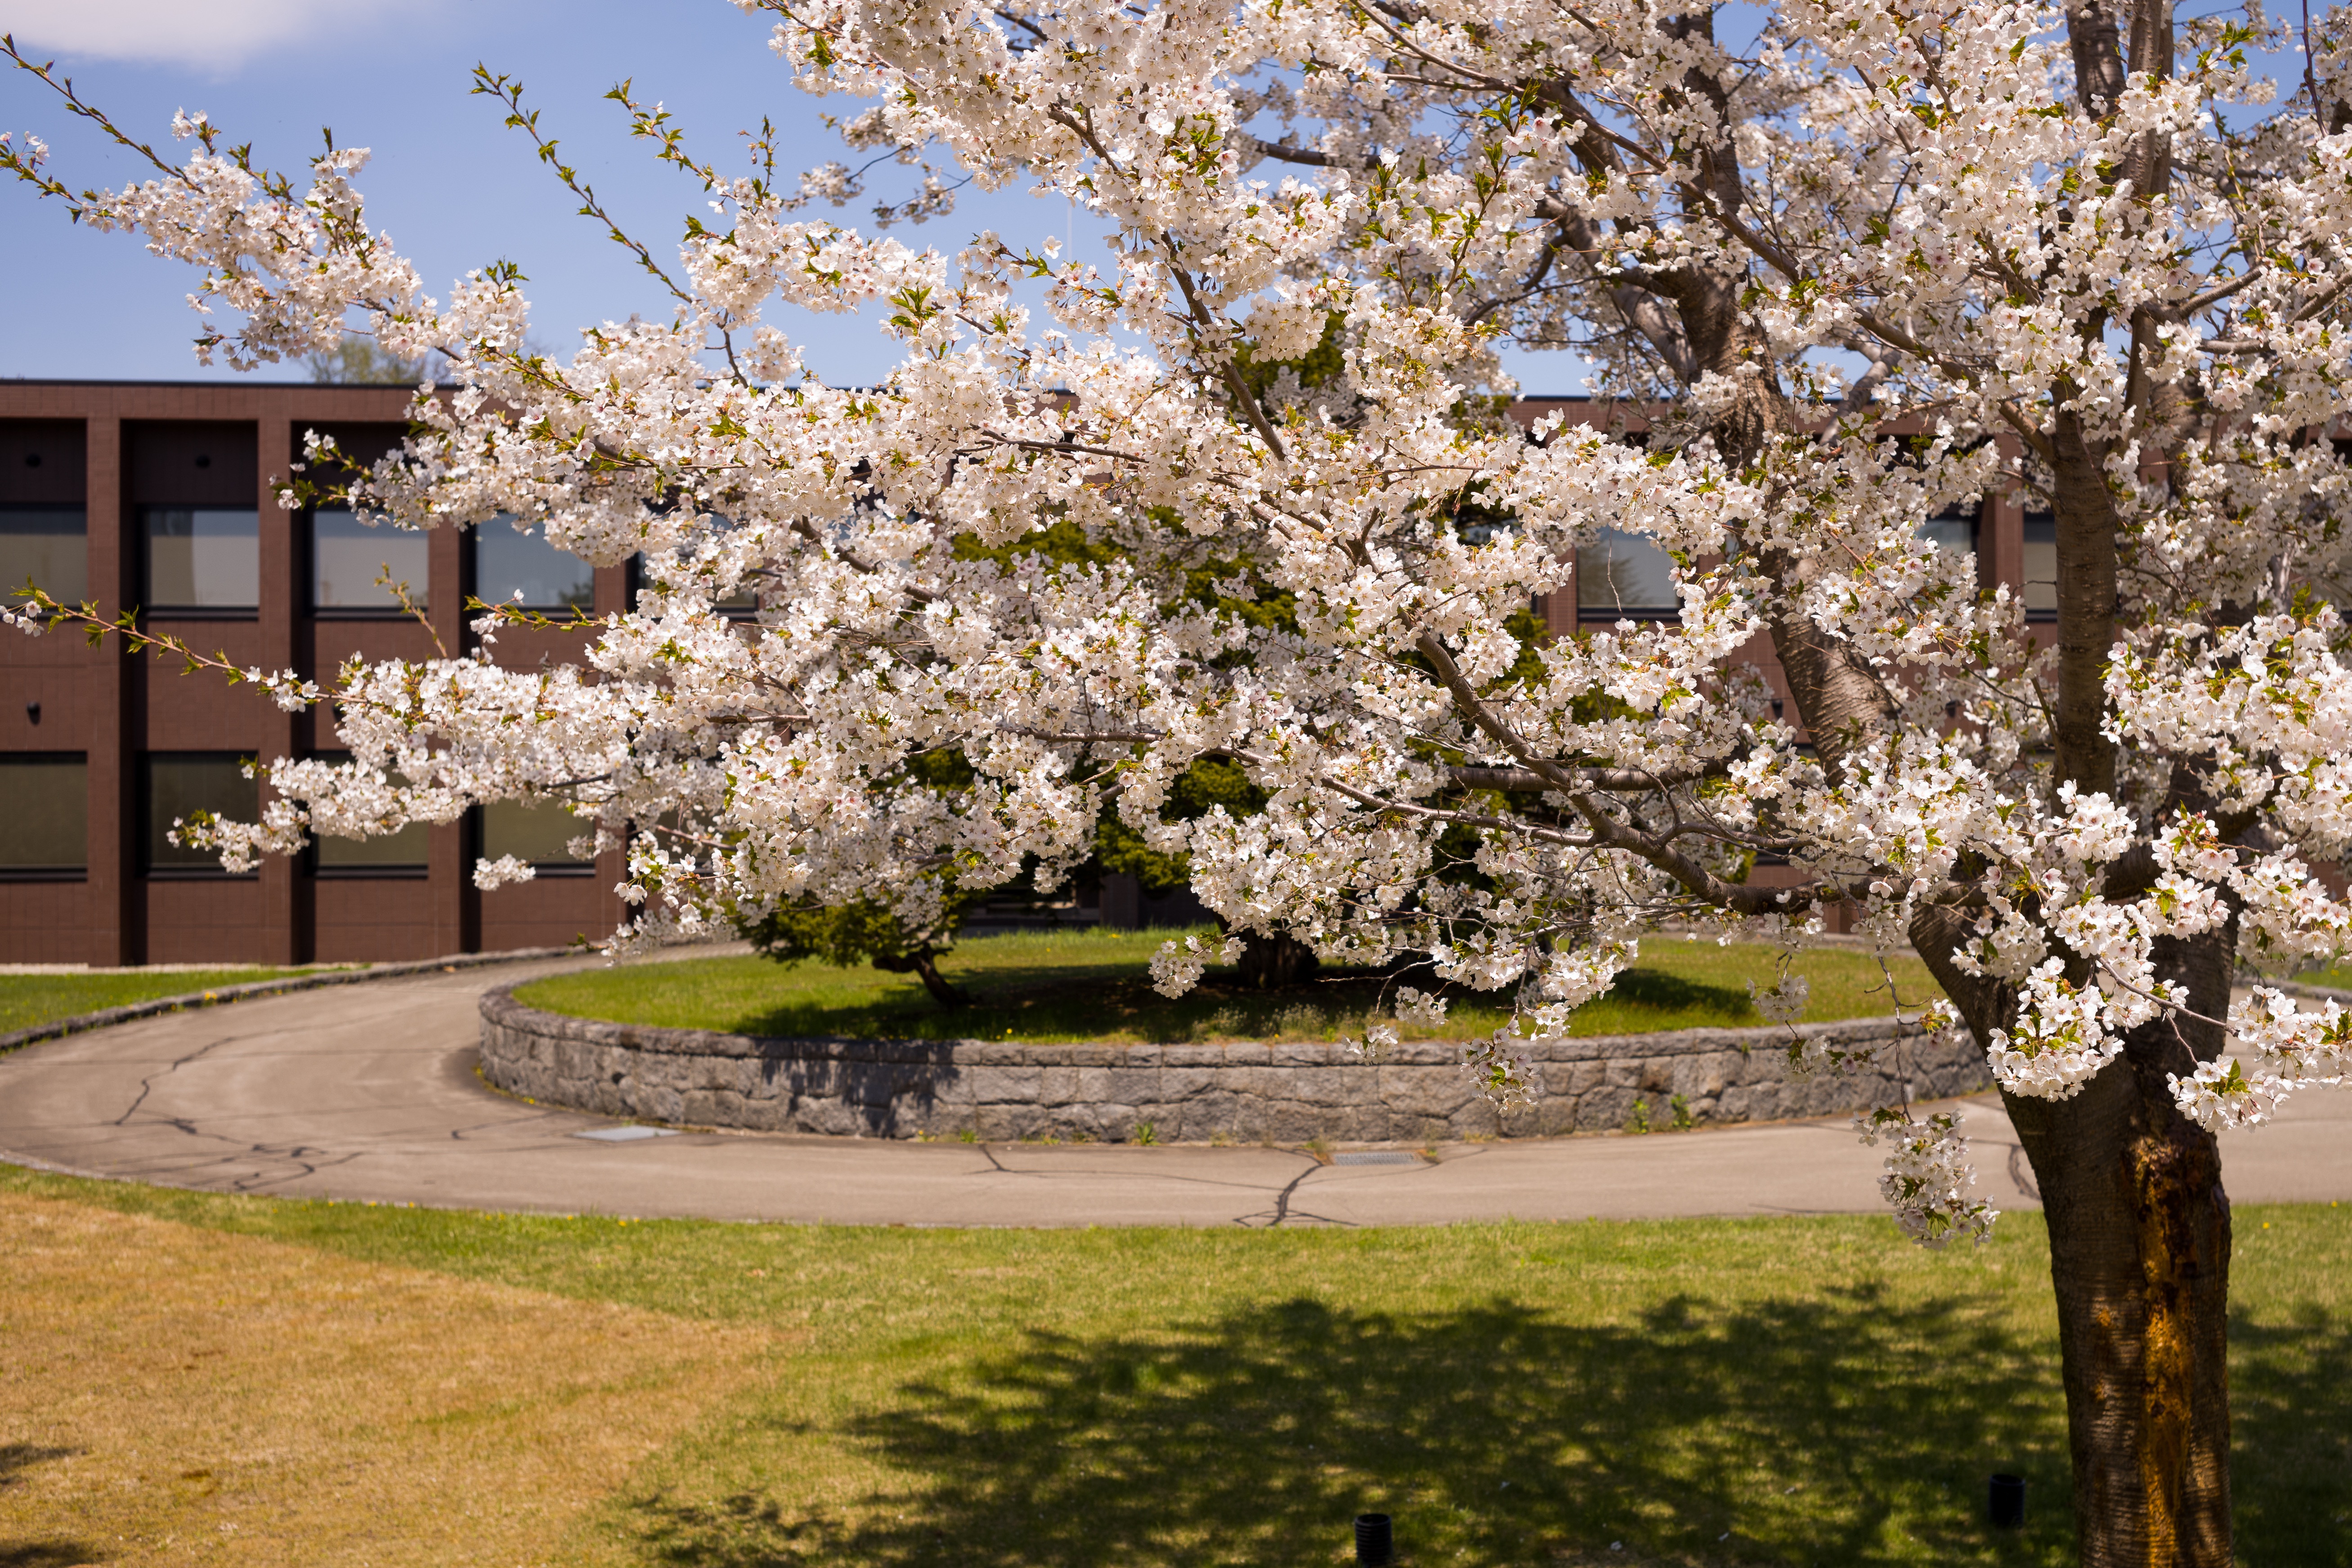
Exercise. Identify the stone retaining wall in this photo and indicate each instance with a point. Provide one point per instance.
(1246, 1092)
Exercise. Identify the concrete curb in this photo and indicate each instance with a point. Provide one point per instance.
(220, 995)
(1242, 1090)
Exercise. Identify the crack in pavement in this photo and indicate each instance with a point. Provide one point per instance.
(2022, 1174)
(1281, 1211)
(147, 1084)
(306, 1158)
(1171, 1178)
(1260, 1219)
(303, 1168)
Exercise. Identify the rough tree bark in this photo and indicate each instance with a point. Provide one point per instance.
(2139, 1226)
(2139, 1255)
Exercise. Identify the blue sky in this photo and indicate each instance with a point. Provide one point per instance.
(455, 190)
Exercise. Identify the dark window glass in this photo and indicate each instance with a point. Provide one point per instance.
(1624, 575)
(403, 853)
(1485, 528)
(44, 814)
(1955, 531)
(179, 784)
(49, 546)
(2040, 566)
(535, 833)
(202, 558)
(508, 563)
(347, 556)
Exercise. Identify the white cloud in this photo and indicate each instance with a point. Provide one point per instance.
(218, 34)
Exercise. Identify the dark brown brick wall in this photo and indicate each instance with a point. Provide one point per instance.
(116, 446)
(376, 919)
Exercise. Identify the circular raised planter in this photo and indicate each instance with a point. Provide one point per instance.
(999, 1090)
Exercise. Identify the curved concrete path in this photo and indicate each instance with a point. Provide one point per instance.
(367, 1092)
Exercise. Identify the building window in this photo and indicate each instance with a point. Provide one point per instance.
(347, 557)
(403, 853)
(177, 785)
(1624, 576)
(511, 568)
(2041, 565)
(537, 833)
(1953, 529)
(44, 815)
(47, 546)
(202, 558)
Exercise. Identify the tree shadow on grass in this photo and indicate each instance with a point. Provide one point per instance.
(1846, 1428)
(17, 1457)
(2291, 1439)
(51, 1554)
(1672, 993)
(1046, 1002)
(52, 1551)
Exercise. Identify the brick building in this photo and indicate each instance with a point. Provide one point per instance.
(159, 495)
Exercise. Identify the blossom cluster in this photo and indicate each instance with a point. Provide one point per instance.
(1927, 1180)
(1243, 494)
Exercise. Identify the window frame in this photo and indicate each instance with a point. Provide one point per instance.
(388, 610)
(143, 533)
(537, 532)
(9, 588)
(59, 873)
(1607, 616)
(2029, 519)
(478, 833)
(211, 870)
(1976, 521)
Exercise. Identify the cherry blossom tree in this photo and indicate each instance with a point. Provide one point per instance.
(1876, 258)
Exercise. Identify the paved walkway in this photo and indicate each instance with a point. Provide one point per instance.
(367, 1092)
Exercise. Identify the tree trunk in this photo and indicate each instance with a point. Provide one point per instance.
(945, 994)
(2087, 612)
(1272, 962)
(2139, 1258)
(923, 963)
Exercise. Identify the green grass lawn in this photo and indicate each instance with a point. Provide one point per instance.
(29, 999)
(1786, 1391)
(1087, 985)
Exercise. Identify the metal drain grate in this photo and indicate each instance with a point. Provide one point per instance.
(1376, 1157)
(628, 1134)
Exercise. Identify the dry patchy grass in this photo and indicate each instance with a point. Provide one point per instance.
(1703, 1392)
(180, 1396)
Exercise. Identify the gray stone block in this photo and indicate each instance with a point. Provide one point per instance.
(1245, 1091)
